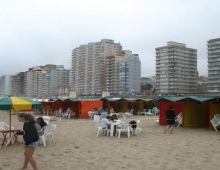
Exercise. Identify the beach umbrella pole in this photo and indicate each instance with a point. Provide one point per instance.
(10, 126)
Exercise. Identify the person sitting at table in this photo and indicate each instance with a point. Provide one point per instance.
(38, 127)
(105, 122)
(114, 118)
(95, 111)
(104, 113)
(154, 109)
(60, 112)
(68, 110)
(41, 122)
(100, 111)
(146, 109)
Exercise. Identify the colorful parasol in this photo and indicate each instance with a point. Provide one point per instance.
(17, 103)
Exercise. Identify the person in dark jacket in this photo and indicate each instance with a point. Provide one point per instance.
(31, 138)
(41, 122)
(170, 114)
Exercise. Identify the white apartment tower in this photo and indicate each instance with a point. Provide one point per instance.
(89, 64)
(176, 69)
(214, 65)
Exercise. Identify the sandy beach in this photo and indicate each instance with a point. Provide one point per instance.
(77, 147)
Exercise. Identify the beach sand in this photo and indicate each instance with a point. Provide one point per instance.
(76, 147)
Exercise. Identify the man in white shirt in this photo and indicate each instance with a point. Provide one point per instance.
(105, 123)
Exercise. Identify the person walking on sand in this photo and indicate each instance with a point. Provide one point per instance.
(170, 114)
(31, 138)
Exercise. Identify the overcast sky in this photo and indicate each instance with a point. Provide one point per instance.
(40, 32)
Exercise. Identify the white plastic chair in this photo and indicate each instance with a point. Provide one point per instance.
(149, 113)
(47, 122)
(51, 130)
(123, 128)
(4, 126)
(215, 121)
(47, 118)
(128, 114)
(99, 128)
(97, 118)
(90, 114)
(157, 112)
(179, 119)
(65, 115)
(46, 135)
(136, 130)
(57, 113)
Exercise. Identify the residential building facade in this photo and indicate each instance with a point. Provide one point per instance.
(112, 74)
(88, 66)
(41, 81)
(214, 65)
(5, 85)
(17, 84)
(176, 69)
(202, 85)
(129, 75)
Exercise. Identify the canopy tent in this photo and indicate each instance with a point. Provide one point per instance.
(55, 100)
(195, 99)
(118, 104)
(86, 106)
(195, 114)
(164, 106)
(125, 104)
(47, 107)
(73, 104)
(195, 111)
(167, 99)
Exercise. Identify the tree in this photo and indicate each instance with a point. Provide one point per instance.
(146, 87)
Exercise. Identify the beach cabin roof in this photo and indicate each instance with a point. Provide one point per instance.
(55, 100)
(195, 99)
(168, 99)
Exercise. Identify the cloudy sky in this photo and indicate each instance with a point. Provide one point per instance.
(40, 32)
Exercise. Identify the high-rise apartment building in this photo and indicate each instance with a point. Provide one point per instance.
(89, 64)
(112, 62)
(176, 69)
(17, 84)
(34, 82)
(5, 85)
(129, 75)
(41, 81)
(214, 65)
(55, 77)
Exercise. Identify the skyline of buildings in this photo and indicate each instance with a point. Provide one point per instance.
(88, 66)
(39, 81)
(105, 67)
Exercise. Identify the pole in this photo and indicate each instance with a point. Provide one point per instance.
(10, 124)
